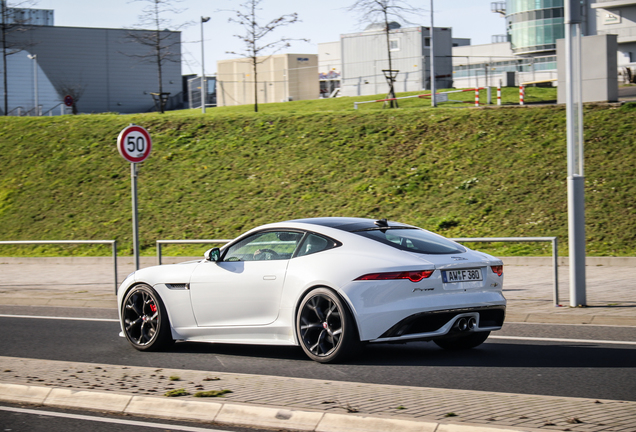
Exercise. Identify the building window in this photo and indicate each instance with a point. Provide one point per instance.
(612, 18)
(394, 44)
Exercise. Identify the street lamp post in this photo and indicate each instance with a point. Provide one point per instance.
(203, 89)
(433, 101)
(576, 179)
(34, 57)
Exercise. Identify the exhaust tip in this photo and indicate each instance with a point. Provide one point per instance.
(472, 323)
(462, 324)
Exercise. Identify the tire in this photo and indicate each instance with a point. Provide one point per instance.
(144, 320)
(325, 328)
(469, 341)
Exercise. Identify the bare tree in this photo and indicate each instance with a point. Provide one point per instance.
(161, 45)
(74, 89)
(11, 25)
(384, 12)
(255, 36)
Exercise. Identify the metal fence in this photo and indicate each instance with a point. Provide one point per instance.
(555, 252)
(163, 242)
(113, 243)
(160, 243)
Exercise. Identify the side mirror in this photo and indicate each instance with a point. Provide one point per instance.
(213, 255)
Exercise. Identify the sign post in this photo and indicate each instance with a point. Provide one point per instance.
(134, 144)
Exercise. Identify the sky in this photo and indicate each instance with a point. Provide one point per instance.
(320, 21)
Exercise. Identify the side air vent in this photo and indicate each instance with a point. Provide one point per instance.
(178, 286)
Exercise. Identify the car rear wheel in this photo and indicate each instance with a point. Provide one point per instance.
(325, 327)
(463, 342)
(144, 319)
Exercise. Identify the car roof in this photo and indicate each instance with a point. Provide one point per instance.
(350, 224)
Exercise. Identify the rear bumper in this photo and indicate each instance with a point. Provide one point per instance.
(444, 323)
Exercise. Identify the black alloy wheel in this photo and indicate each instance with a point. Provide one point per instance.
(144, 319)
(325, 328)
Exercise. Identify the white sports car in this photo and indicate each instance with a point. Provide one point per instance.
(326, 284)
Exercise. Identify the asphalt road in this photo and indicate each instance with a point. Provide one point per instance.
(24, 418)
(576, 369)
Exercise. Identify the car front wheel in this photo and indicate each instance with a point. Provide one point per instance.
(144, 319)
(325, 327)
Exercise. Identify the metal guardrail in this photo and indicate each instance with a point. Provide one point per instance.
(553, 240)
(110, 242)
(555, 253)
(163, 242)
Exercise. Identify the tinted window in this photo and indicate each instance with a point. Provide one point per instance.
(315, 243)
(413, 240)
(268, 245)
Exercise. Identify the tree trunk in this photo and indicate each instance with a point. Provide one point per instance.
(255, 86)
(392, 103)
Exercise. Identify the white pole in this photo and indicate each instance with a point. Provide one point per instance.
(433, 101)
(576, 180)
(133, 181)
(34, 57)
(499, 93)
(203, 90)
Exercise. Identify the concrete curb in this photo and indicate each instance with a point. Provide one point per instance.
(228, 413)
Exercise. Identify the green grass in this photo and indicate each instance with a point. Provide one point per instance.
(459, 172)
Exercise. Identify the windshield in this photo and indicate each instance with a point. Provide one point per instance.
(413, 240)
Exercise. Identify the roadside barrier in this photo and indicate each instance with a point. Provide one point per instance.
(522, 94)
(555, 253)
(113, 243)
(439, 97)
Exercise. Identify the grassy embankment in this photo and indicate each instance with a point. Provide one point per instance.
(458, 172)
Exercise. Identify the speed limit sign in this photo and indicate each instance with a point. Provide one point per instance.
(134, 144)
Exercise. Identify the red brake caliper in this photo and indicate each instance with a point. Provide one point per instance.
(153, 308)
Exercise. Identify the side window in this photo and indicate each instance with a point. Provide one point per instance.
(315, 243)
(268, 245)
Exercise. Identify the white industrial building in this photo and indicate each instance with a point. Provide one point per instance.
(364, 57)
(527, 53)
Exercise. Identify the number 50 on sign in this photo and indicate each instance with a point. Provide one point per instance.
(134, 144)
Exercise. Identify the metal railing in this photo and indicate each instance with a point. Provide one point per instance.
(163, 242)
(110, 242)
(555, 252)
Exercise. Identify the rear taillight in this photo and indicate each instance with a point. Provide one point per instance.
(413, 276)
(497, 269)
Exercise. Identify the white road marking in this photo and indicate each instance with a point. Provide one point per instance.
(59, 318)
(538, 339)
(520, 338)
(566, 324)
(110, 420)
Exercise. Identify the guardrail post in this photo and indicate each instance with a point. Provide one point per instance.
(555, 260)
(115, 262)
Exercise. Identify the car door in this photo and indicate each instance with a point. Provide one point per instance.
(245, 287)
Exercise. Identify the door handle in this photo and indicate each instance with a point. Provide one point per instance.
(269, 277)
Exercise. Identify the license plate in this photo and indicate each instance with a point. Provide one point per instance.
(464, 275)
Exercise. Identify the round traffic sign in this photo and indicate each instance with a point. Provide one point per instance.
(134, 144)
(68, 100)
